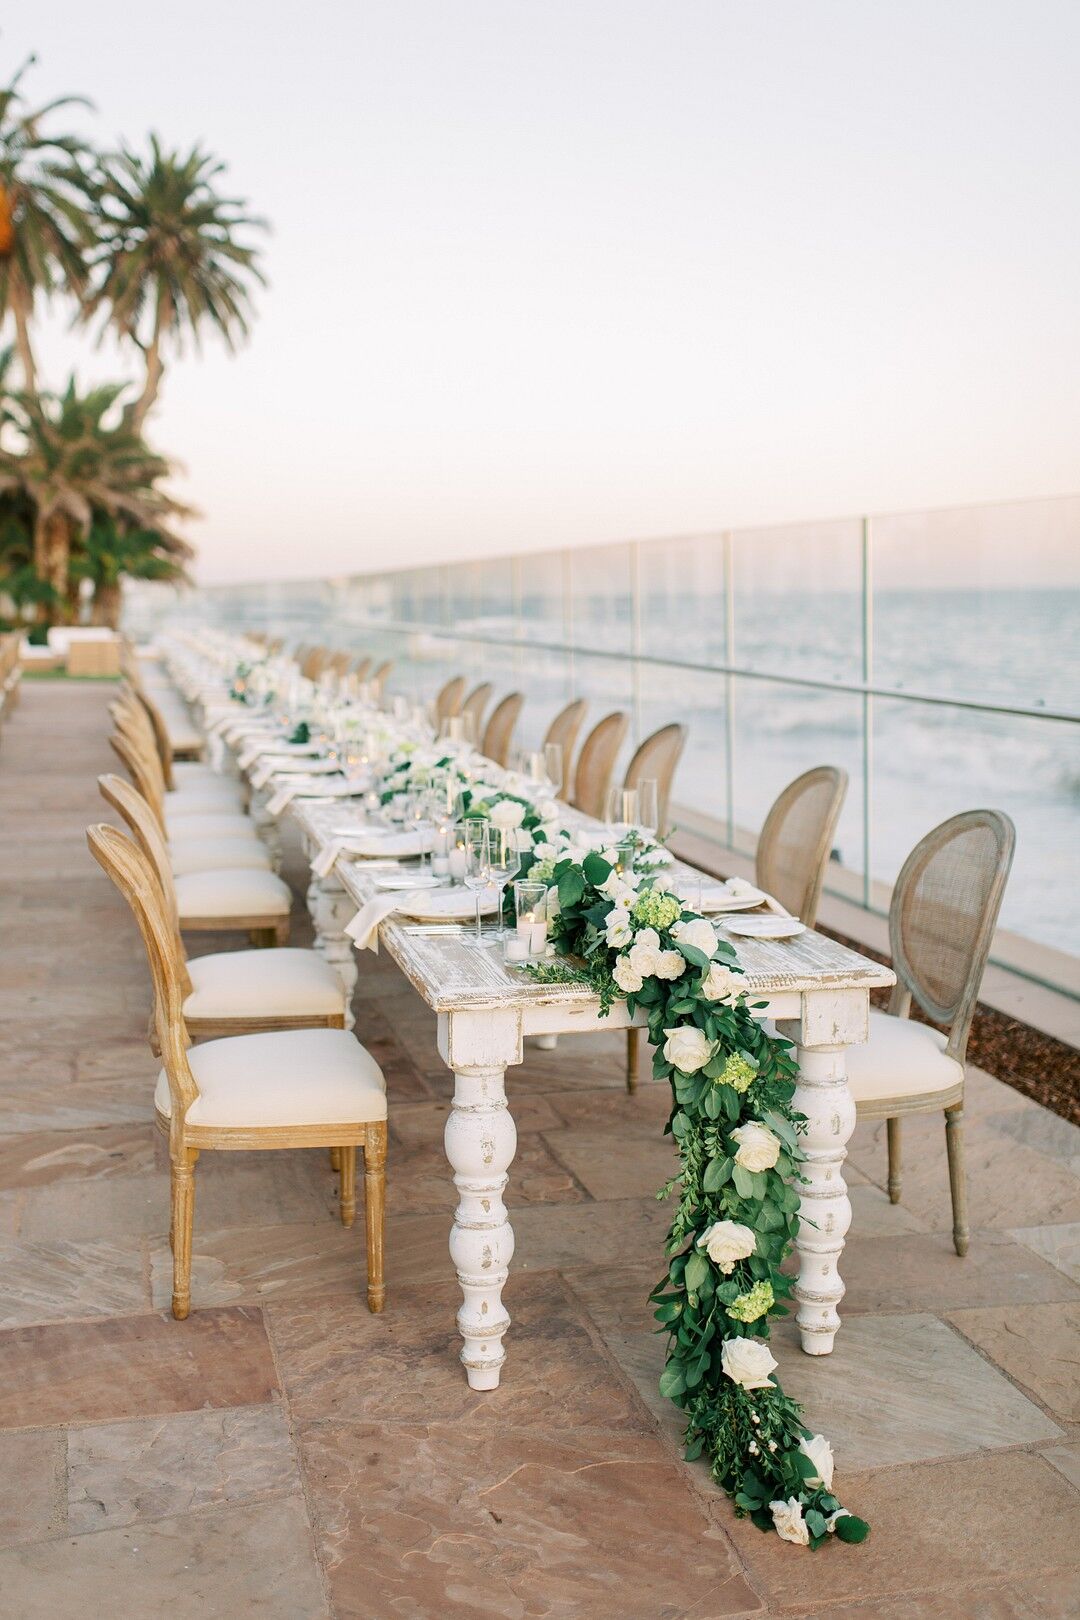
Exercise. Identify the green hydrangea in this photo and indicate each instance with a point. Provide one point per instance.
(738, 1072)
(542, 871)
(754, 1303)
(653, 909)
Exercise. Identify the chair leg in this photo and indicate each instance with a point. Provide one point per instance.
(183, 1220)
(954, 1143)
(375, 1212)
(633, 1047)
(892, 1128)
(335, 1158)
(347, 1164)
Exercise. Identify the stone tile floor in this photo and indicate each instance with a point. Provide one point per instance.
(283, 1453)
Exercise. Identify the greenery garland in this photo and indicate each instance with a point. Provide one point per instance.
(737, 1212)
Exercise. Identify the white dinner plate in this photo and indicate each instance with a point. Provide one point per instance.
(447, 905)
(372, 845)
(768, 926)
(716, 897)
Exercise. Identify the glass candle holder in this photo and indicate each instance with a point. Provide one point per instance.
(528, 942)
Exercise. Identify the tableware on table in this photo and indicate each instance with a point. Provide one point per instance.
(648, 807)
(554, 766)
(504, 863)
(711, 897)
(447, 905)
(529, 939)
(390, 843)
(477, 874)
(767, 926)
(621, 808)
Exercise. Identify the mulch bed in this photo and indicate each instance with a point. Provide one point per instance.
(1042, 1068)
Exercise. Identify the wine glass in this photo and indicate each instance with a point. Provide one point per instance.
(505, 863)
(553, 766)
(477, 864)
(621, 808)
(648, 807)
(417, 816)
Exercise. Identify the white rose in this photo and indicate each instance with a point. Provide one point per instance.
(699, 933)
(553, 906)
(719, 983)
(507, 813)
(548, 810)
(687, 1047)
(725, 1242)
(789, 1522)
(523, 840)
(618, 929)
(545, 852)
(625, 977)
(748, 1362)
(759, 1149)
(646, 952)
(820, 1454)
(669, 964)
(616, 887)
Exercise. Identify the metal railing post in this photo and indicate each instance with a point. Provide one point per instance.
(728, 561)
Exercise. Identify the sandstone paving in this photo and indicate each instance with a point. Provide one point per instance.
(283, 1452)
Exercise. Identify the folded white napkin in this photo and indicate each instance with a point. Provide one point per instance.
(739, 887)
(364, 928)
(326, 859)
(286, 765)
(263, 743)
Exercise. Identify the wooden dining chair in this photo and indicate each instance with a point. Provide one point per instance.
(563, 730)
(379, 677)
(337, 664)
(941, 924)
(596, 763)
(656, 759)
(291, 1088)
(474, 706)
(360, 668)
(796, 840)
(187, 780)
(315, 660)
(232, 992)
(448, 701)
(184, 818)
(216, 892)
(499, 731)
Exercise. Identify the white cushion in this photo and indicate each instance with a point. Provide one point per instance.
(209, 824)
(295, 1077)
(192, 773)
(217, 855)
(232, 893)
(251, 984)
(901, 1059)
(198, 798)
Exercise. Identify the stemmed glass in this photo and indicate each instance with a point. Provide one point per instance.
(648, 808)
(505, 864)
(553, 765)
(417, 816)
(477, 864)
(621, 809)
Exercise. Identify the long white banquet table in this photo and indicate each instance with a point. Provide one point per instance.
(818, 991)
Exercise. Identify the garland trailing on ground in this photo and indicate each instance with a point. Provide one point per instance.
(737, 1212)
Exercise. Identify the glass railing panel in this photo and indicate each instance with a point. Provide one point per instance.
(699, 703)
(540, 585)
(601, 587)
(798, 600)
(682, 603)
(981, 603)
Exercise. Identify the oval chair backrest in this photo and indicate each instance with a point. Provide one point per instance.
(140, 765)
(448, 702)
(499, 731)
(314, 662)
(161, 736)
(338, 663)
(130, 805)
(474, 706)
(132, 874)
(656, 759)
(563, 730)
(361, 667)
(596, 763)
(137, 715)
(943, 913)
(796, 840)
(379, 677)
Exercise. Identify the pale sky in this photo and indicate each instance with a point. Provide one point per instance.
(556, 272)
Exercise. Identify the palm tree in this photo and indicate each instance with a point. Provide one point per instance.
(113, 551)
(70, 458)
(169, 263)
(44, 226)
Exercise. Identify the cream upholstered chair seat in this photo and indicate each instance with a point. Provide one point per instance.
(209, 824)
(187, 855)
(902, 1059)
(196, 796)
(266, 984)
(232, 893)
(292, 1078)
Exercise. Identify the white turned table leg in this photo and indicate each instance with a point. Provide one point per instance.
(831, 1021)
(266, 825)
(331, 911)
(481, 1140)
(824, 1096)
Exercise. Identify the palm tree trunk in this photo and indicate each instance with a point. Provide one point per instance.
(52, 557)
(155, 366)
(21, 307)
(105, 609)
